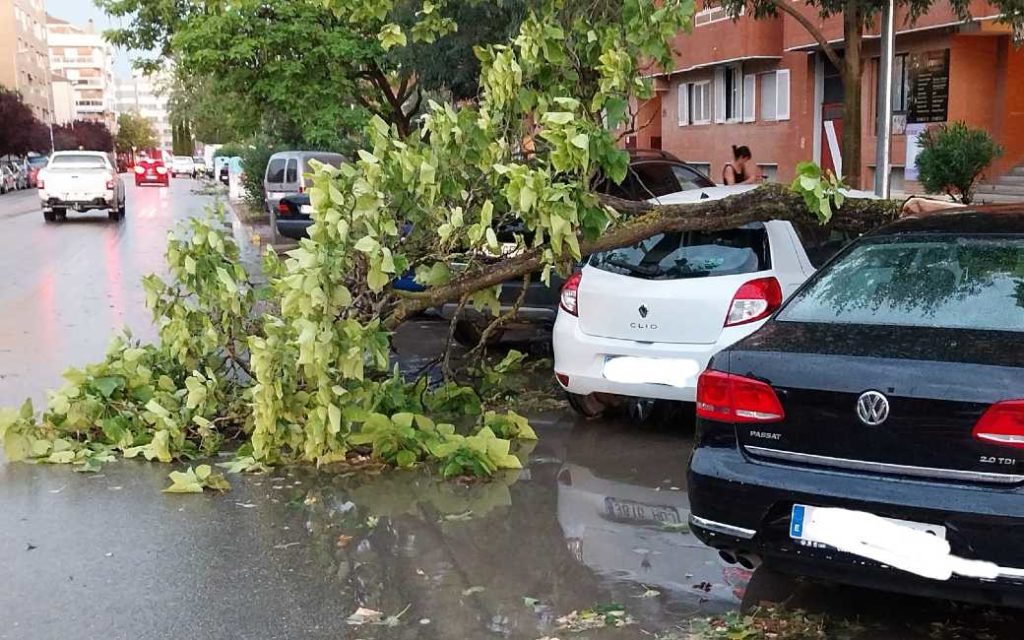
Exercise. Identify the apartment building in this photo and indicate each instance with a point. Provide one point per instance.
(766, 84)
(24, 63)
(144, 94)
(82, 56)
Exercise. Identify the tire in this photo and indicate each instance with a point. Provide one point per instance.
(50, 216)
(61, 214)
(115, 215)
(468, 334)
(587, 406)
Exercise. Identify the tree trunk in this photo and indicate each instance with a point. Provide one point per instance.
(853, 37)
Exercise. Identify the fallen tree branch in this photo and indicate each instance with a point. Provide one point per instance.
(768, 202)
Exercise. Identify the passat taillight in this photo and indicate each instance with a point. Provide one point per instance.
(726, 397)
(755, 300)
(570, 294)
(1003, 424)
(282, 209)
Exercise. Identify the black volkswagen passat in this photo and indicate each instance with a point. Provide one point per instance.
(872, 432)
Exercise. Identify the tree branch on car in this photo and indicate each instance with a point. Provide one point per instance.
(768, 202)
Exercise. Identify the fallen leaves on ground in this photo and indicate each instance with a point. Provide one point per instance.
(601, 616)
(195, 480)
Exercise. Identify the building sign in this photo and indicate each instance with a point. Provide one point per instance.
(914, 133)
(929, 87)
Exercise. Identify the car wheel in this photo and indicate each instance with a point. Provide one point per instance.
(115, 215)
(587, 406)
(49, 216)
(60, 214)
(468, 334)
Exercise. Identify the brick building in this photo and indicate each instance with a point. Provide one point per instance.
(766, 84)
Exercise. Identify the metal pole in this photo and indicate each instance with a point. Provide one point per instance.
(883, 147)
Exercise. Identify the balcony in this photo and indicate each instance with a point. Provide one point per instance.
(716, 38)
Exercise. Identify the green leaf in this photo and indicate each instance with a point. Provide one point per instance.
(405, 459)
(367, 244)
(184, 482)
(107, 385)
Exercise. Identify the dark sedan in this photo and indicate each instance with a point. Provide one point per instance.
(294, 215)
(870, 432)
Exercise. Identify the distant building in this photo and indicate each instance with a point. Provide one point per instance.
(23, 55)
(81, 55)
(144, 94)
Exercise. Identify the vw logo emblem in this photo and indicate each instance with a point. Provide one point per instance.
(643, 311)
(872, 408)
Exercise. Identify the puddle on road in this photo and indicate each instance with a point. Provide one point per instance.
(587, 522)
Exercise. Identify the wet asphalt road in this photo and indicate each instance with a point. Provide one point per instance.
(292, 554)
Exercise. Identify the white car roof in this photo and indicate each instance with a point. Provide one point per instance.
(72, 152)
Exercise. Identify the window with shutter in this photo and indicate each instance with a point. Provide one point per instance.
(700, 102)
(683, 103)
(769, 97)
(749, 97)
(782, 88)
(720, 94)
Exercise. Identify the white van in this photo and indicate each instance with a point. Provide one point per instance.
(286, 173)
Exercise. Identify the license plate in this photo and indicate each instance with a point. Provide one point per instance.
(811, 524)
(631, 511)
(672, 372)
(306, 209)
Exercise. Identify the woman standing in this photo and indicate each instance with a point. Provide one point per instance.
(741, 170)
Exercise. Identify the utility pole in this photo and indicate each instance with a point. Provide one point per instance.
(883, 150)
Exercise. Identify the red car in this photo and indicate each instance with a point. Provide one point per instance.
(151, 172)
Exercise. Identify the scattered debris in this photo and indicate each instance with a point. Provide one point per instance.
(245, 505)
(286, 545)
(470, 591)
(649, 593)
(601, 616)
(30, 547)
(363, 616)
(675, 527)
(343, 541)
(58, 490)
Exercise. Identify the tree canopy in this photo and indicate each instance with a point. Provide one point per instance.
(20, 131)
(82, 134)
(134, 133)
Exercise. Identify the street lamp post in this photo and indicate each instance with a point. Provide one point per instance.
(883, 150)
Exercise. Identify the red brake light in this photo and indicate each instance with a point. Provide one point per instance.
(725, 397)
(570, 292)
(139, 169)
(40, 184)
(302, 189)
(755, 300)
(1002, 424)
(110, 183)
(282, 209)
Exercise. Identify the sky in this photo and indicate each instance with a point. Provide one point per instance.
(79, 12)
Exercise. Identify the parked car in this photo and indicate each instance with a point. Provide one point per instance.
(643, 321)
(21, 174)
(183, 166)
(8, 178)
(35, 165)
(150, 171)
(871, 431)
(652, 174)
(80, 181)
(286, 173)
(294, 215)
(201, 168)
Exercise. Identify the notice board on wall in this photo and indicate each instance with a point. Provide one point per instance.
(929, 87)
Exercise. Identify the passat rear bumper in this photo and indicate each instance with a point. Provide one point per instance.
(743, 506)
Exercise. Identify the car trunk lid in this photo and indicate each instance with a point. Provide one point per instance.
(671, 288)
(883, 399)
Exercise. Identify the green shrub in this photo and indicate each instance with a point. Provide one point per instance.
(254, 163)
(953, 158)
(229, 150)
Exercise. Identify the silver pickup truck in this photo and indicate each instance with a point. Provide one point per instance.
(80, 181)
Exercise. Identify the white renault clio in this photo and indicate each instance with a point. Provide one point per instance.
(643, 321)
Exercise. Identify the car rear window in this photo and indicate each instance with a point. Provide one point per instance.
(953, 282)
(275, 171)
(78, 160)
(692, 254)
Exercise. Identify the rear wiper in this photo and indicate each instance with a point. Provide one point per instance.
(637, 269)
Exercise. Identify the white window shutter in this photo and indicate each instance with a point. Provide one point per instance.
(683, 103)
(749, 97)
(720, 94)
(782, 91)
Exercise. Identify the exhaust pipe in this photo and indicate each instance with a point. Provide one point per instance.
(749, 561)
(727, 555)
